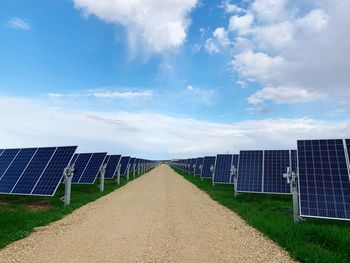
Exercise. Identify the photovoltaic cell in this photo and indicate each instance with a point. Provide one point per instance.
(207, 163)
(92, 169)
(112, 163)
(106, 159)
(223, 165)
(324, 186)
(275, 165)
(199, 165)
(51, 176)
(124, 164)
(250, 171)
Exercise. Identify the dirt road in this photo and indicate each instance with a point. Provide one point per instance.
(159, 217)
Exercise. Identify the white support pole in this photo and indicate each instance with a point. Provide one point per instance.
(134, 170)
(212, 169)
(235, 179)
(292, 178)
(68, 174)
(127, 172)
(118, 175)
(102, 177)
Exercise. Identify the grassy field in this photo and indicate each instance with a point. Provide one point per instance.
(19, 215)
(314, 240)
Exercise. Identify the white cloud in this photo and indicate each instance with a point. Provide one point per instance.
(219, 41)
(222, 36)
(242, 24)
(257, 66)
(211, 46)
(55, 95)
(231, 8)
(110, 94)
(162, 25)
(206, 96)
(314, 21)
(270, 10)
(302, 46)
(18, 23)
(284, 95)
(148, 134)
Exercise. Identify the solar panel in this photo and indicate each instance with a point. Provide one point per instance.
(324, 186)
(207, 163)
(275, 165)
(223, 165)
(105, 162)
(250, 171)
(293, 160)
(14, 171)
(112, 163)
(92, 168)
(124, 164)
(199, 165)
(80, 162)
(1, 151)
(347, 143)
(192, 163)
(33, 171)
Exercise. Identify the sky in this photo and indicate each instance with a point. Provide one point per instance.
(166, 79)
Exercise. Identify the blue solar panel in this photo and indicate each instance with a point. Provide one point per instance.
(199, 165)
(34, 170)
(192, 162)
(207, 163)
(81, 160)
(112, 163)
(51, 176)
(1, 151)
(124, 164)
(250, 171)
(293, 161)
(223, 165)
(275, 165)
(92, 168)
(105, 162)
(347, 143)
(15, 170)
(6, 159)
(324, 186)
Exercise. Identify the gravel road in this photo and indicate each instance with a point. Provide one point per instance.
(159, 217)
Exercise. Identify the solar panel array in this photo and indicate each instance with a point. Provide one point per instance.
(223, 166)
(324, 185)
(112, 163)
(33, 171)
(199, 165)
(208, 162)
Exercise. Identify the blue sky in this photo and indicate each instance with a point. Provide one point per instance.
(164, 79)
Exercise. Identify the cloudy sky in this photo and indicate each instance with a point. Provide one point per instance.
(173, 78)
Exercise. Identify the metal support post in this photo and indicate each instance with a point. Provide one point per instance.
(212, 169)
(235, 179)
(127, 172)
(102, 177)
(134, 170)
(292, 179)
(68, 174)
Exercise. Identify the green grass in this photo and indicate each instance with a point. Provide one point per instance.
(19, 215)
(314, 240)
